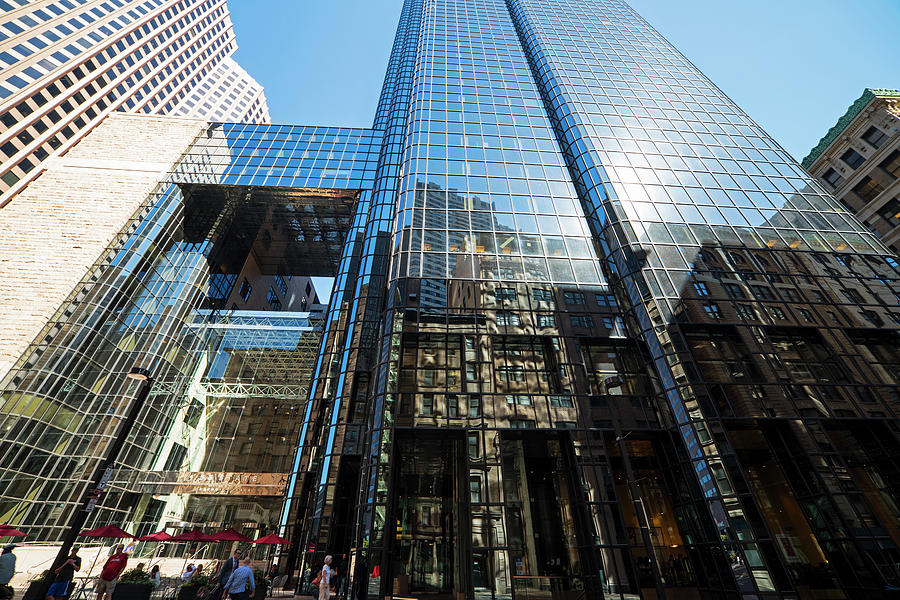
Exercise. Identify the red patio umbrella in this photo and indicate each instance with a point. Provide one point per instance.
(193, 536)
(7, 531)
(110, 531)
(230, 535)
(271, 539)
(159, 536)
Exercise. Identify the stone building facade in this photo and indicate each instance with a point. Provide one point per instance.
(858, 160)
(61, 225)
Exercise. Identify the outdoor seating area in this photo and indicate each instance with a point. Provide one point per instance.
(201, 554)
(170, 588)
(278, 590)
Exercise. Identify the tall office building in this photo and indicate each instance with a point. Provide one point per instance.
(66, 64)
(593, 333)
(858, 160)
(228, 94)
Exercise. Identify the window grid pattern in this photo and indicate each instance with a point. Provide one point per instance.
(283, 156)
(142, 56)
(703, 176)
(484, 192)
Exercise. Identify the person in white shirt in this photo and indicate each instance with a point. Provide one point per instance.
(325, 579)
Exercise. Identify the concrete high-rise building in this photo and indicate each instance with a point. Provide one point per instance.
(228, 94)
(593, 333)
(66, 64)
(858, 161)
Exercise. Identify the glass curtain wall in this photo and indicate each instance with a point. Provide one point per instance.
(65, 399)
(208, 287)
(493, 278)
(737, 268)
(592, 240)
(594, 334)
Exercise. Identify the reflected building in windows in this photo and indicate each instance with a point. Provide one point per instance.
(593, 333)
(67, 64)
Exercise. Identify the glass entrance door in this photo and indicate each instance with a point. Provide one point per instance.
(540, 517)
(431, 518)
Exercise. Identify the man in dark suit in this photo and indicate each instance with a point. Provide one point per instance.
(228, 568)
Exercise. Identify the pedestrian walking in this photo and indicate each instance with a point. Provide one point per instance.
(227, 569)
(114, 566)
(7, 570)
(240, 584)
(325, 579)
(65, 573)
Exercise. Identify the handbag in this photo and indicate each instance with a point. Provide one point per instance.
(316, 580)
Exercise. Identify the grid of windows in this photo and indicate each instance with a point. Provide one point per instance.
(280, 155)
(672, 170)
(227, 94)
(138, 55)
(484, 192)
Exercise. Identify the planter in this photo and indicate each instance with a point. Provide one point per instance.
(261, 588)
(188, 592)
(200, 590)
(37, 590)
(132, 591)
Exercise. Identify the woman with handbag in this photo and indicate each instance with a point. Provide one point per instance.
(324, 580)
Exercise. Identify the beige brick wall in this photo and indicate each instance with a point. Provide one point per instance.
(59, 226)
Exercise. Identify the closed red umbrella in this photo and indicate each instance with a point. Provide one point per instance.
(159, 536)
(110, 531)
(7, 531)
(271, 539)
(193, 536)
(230, 535)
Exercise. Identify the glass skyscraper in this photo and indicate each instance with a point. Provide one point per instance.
(593, 333)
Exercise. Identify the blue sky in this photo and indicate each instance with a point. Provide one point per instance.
(793, 65)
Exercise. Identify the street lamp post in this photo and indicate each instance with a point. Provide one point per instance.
(104, 470)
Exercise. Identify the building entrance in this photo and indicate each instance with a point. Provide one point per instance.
(431, 518)
(540, 517)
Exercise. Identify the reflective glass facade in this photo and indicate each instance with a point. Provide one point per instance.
(208, 284)
(593, 333)
(719, 337)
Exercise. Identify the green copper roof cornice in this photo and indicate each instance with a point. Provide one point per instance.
(852, 112)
